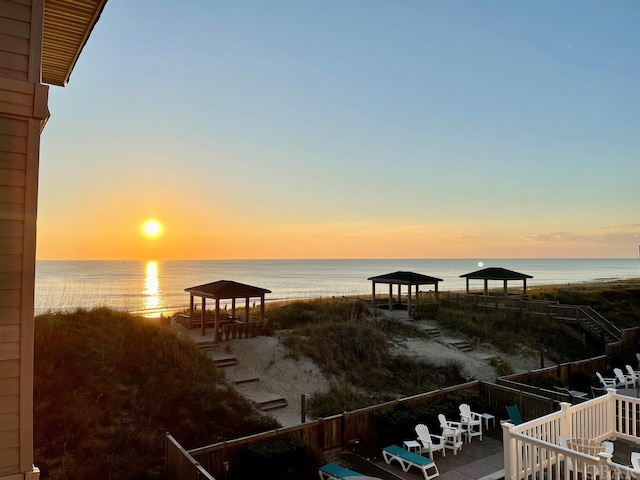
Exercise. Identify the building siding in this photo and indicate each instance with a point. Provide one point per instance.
(15, 25)
(17, 100)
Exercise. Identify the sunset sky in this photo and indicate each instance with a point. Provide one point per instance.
(347, 129)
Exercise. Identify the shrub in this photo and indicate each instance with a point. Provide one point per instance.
(398, 424)
(274, 458)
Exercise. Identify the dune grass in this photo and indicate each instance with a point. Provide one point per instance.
(108, 385)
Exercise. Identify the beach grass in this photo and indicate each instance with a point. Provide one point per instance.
(109, 385)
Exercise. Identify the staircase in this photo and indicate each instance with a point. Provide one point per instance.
(228, 361)
(598, 326)
(433, 332)
(460, 345)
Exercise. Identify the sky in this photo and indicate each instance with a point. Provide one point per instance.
(258, 129)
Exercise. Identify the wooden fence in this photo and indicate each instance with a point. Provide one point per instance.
(180, 465)
(341, 431)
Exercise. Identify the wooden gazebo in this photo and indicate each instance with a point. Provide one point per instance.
(497, 273)
(410, 279)
(225, 290)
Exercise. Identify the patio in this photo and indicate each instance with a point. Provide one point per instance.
(477, 460)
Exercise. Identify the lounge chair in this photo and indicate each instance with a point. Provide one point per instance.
(471, 422)
(623, 380)
(333, 471)
(408, 459)
(607, 382)
(572, 393)
(608, 447)
(452, 433)
(635, 460)
(598, 391)
(429, 442)
(515, 417)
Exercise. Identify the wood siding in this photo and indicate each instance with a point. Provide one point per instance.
(15, 28)
(23, 104)
(14, 132)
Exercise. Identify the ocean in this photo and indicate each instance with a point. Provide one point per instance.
(158, 286)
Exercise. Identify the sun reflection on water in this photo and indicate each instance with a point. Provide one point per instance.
(151, 299)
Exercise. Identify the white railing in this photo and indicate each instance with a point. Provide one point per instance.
(533, 450)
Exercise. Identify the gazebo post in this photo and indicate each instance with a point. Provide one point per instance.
(190, 311)
(233, 308)
(409, 301)
(390, 296)
(246, 309)
(524, 285)
(436, 292)
(373, 297)
(217, 335)
(467, 285)
(486, 286)
(203, 326)
(506, 292)
(262, 308)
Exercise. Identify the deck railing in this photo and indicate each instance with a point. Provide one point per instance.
(533, 450)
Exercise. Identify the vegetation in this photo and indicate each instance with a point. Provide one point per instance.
(617, 301)
(108, 385)
(356, 352)
(511, 331)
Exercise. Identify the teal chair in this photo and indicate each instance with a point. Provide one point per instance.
(515, 416)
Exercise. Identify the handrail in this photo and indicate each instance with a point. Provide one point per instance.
(606, 325)
(550, 307)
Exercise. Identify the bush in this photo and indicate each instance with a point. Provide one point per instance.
(394, 426)
(274, 458)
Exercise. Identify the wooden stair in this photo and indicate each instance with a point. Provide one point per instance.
(244, 381)
(209, 345)
(461, 345)
(222, 362)
(273, 404)
(433, 331)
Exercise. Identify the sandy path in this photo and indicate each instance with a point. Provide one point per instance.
(266, 359)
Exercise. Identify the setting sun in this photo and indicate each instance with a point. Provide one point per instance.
(152, 228)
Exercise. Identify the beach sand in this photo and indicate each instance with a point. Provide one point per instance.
(266, 374)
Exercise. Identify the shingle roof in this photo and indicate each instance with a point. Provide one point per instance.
(226, 289)
(496, 273)
(405, 278)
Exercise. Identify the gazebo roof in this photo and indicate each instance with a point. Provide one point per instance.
(407, 278)
(226, 289)
(496, 273)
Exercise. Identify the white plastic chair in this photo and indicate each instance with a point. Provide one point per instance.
(430, 442)
(633, 375)
(635, 460)
(452, 433)
(607, 382)
(471, 421)
(623, 380)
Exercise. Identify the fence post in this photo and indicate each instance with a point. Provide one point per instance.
(509, 443)
(565, 419)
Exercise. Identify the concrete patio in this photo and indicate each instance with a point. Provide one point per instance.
(477, 460)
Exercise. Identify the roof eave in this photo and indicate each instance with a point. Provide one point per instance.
(67, 27)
